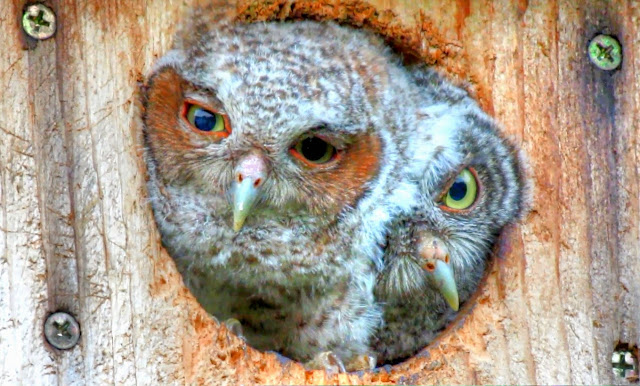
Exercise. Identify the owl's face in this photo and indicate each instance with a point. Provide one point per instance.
(267, 124)
(469, 191)
(264, 138)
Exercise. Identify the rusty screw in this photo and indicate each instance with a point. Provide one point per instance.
(625, 364)
(605, 52)
(61, 330)
(39, 21)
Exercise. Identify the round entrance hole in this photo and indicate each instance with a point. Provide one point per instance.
(418, 44)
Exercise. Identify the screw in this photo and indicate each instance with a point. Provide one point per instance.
(61, 330)
(39, 21)
(625, 364)
(605, 52)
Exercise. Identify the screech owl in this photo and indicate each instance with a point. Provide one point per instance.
(436, 252)
(277, 157)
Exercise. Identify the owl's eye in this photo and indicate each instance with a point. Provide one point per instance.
(314, 151)
(205, 121)
(463, 191)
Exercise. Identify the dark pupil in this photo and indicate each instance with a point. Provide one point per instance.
(204, 120)
(458, 190)
(314, 148)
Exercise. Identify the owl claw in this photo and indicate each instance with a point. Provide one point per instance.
(327, 361)
(361, 362)
(234, 326)
(446, 283)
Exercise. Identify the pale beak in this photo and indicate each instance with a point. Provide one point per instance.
(244, 196)
(247, 186)
(436, 262)
(446, 283)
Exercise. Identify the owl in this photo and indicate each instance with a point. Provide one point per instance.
(277, 156)
(437, 251)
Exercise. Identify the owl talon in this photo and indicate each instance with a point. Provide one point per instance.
(234, 326)
(214, 318)
(361, 362)
(327, 361)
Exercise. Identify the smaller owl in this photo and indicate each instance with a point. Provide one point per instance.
(436, 253)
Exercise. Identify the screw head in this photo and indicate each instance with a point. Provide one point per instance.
(625, 364)
(39, 21)
(605, 52)
(61, 330)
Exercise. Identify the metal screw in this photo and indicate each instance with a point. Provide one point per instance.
(605, 52)
(39, 21)
(61, 330)
(625, 364)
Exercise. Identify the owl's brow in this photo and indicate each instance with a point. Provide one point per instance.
(448, 179)
(205, 95)
(339, 137)
(469, 160)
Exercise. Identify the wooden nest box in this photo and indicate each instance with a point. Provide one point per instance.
(77, 234)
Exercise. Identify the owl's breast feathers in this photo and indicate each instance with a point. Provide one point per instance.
(277, 275)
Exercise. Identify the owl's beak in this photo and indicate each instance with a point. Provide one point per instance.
(245, 194)
(446, 283)
(437, 263)
(247, 185)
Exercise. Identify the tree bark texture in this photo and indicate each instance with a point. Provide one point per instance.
(77, 233)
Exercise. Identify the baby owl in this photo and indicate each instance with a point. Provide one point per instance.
(315, 190)
(436, 252)
(277, 157)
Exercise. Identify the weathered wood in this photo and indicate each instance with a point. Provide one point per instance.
(77, 234)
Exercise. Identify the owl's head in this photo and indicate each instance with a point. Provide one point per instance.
(473, 186)
(268, 124)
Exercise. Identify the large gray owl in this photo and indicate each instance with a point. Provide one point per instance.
(436, 252)
(277, 157)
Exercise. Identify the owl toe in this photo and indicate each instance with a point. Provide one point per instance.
(327, 361)
(361, 362)
(235, 327)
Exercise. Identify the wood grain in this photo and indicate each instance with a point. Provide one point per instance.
(77, 234)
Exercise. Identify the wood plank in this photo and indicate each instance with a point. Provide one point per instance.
(627, 148)
(574, 257)
(508, 104)
(24, 225)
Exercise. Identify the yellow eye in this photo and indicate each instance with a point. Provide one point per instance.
(205, 120)
(314, 151)
(463, 192)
